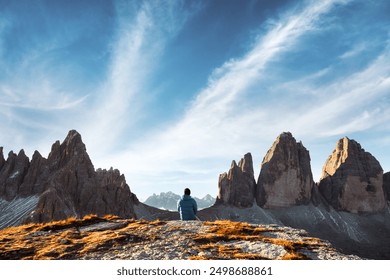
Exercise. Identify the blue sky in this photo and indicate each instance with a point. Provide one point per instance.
(170, 92)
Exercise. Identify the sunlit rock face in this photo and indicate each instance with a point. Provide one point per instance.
(352, 179)
(285, 178)
(237, 187)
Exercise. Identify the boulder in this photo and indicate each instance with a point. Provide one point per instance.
(285, 177)
(237, 187)
(352, 179)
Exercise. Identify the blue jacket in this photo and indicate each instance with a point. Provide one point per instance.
(187, 208)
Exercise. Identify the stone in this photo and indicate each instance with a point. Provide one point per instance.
(237, 187)
(285, 177)
(352, 179)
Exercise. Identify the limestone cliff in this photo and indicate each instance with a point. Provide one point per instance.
(285, 178)
(352, 179)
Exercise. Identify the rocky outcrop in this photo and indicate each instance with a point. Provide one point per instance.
(65, 183)
(237, 187)
(386, 185)
(285, 178)
(126, 239)
(352, 179)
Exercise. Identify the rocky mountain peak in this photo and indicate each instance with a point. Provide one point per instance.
(72, 149)
(346, 152)
(65, 184)
(37, 155)
(246, 164)
(352, 179)
(237, 187)
(285, 177)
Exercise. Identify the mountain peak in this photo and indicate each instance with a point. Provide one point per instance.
(285, 178)
(73, 136)
(65, 184)
(237, 187)
(352, 179)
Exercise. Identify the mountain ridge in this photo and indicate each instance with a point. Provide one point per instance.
(168, 201)
(66, 184)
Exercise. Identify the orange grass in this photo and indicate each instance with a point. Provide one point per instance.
(66, 239)
(225, 230)
(63, 239)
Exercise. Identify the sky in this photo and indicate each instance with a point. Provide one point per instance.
(170, 92)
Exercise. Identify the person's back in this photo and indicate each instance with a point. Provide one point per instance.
(187, 206)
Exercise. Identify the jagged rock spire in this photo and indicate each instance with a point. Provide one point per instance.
(285, 178)
(237, 187)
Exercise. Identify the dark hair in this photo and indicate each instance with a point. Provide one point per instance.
(187, 191)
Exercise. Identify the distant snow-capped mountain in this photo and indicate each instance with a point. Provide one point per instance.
(168, 201)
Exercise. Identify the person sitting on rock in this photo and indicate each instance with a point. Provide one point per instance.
(187, 206)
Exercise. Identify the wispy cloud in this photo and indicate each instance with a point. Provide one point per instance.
(297, 75)
(44, 100)
(350, 104)
(355, 50)
(141, 37)
(220, 123)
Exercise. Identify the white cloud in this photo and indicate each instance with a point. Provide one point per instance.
(217, 126)
(46, 98)
(222, 122)
(354, 51)
(136, 51)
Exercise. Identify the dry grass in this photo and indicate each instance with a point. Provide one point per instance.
(74, 239)
(64, 240)
(225, 231)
